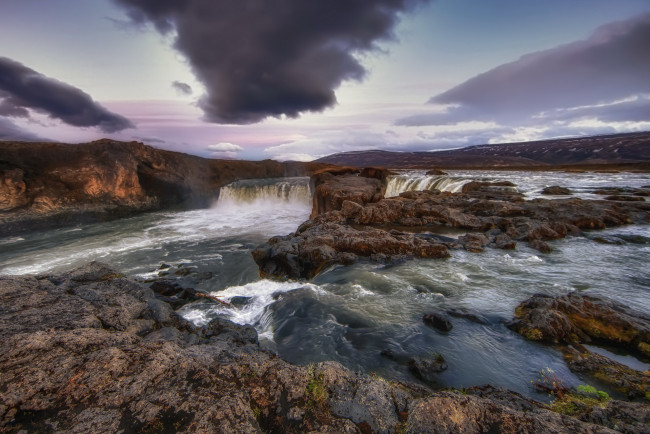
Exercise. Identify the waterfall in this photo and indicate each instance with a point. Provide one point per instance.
(417, 182)
(283, 190)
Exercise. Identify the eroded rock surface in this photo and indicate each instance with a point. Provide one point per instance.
(575, 319)
(90, 351)
(405, 226)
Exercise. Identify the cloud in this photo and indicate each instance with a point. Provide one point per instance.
(225, 150)
(22, 88)
(182, 88)
(611, 65)
(260, 58)
(11, 131)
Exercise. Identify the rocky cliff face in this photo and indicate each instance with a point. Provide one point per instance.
(49, 184)
(90, 351)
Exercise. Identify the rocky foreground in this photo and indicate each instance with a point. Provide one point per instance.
(91, 351)
(352, 221)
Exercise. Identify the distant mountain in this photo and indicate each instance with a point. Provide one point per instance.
(595, 150)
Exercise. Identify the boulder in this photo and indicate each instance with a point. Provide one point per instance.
(556, 190)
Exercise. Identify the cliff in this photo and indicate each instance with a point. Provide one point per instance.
(45, 185)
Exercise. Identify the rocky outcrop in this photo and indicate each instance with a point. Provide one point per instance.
(330, 191)
(574, 319)
(318, 244)
(556, 190)
(52, 184)
(90, 351)
(398, 227)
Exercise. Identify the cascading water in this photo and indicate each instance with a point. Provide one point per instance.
(417, 182)
(254, 190)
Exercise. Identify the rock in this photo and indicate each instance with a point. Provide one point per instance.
(331, 191)
(361, 229)
(631, 382)
(438, 321)
(450, 412)
(428, 368)
(90, 351)
(556, 190)
(316, 246)
(576, 318)
(436, 172)
(541, 246)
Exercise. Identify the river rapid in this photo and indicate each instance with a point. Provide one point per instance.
(351, 314)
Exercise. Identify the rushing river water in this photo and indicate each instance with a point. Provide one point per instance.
(351, 314)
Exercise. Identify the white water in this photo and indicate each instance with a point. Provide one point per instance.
(415, 181)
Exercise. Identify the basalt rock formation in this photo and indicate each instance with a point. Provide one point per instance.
(90, 351)
(52, 184)
(575, 319)
(350, 223)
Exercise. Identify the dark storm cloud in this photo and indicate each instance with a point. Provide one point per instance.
(183, 88)
(260, 58)
(22, 88)
(612, 64)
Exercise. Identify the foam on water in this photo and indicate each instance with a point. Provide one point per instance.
(416, 181)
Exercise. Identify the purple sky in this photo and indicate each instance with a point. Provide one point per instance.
(299, 80)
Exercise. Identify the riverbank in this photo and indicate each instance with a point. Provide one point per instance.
(89, 350)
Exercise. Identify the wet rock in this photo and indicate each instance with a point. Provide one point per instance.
(436, 172)
(362, 229)
(631, 382)
(240, 301)
(427, 368)
(556, 190)
(541, 246)
(316, 246)
(438, 321)
(576, 318)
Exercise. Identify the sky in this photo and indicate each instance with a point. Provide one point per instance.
(301, 79)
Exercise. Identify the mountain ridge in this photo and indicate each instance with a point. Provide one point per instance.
(625, 148)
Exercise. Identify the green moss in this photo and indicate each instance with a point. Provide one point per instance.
(316, 392)
(256, 412)
(584, 399)
(533, 334)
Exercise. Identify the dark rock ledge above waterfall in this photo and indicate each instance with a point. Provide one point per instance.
(351, 223)
(90, 351)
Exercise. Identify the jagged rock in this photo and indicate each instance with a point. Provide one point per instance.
(316, 246)
(90, 351)
(576, 318)
(631, 382)
(332, 191)
(427, 368)
(556, 190)
(438, 321)
(358, 227)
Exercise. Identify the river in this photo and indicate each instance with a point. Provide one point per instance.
(351, 314)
